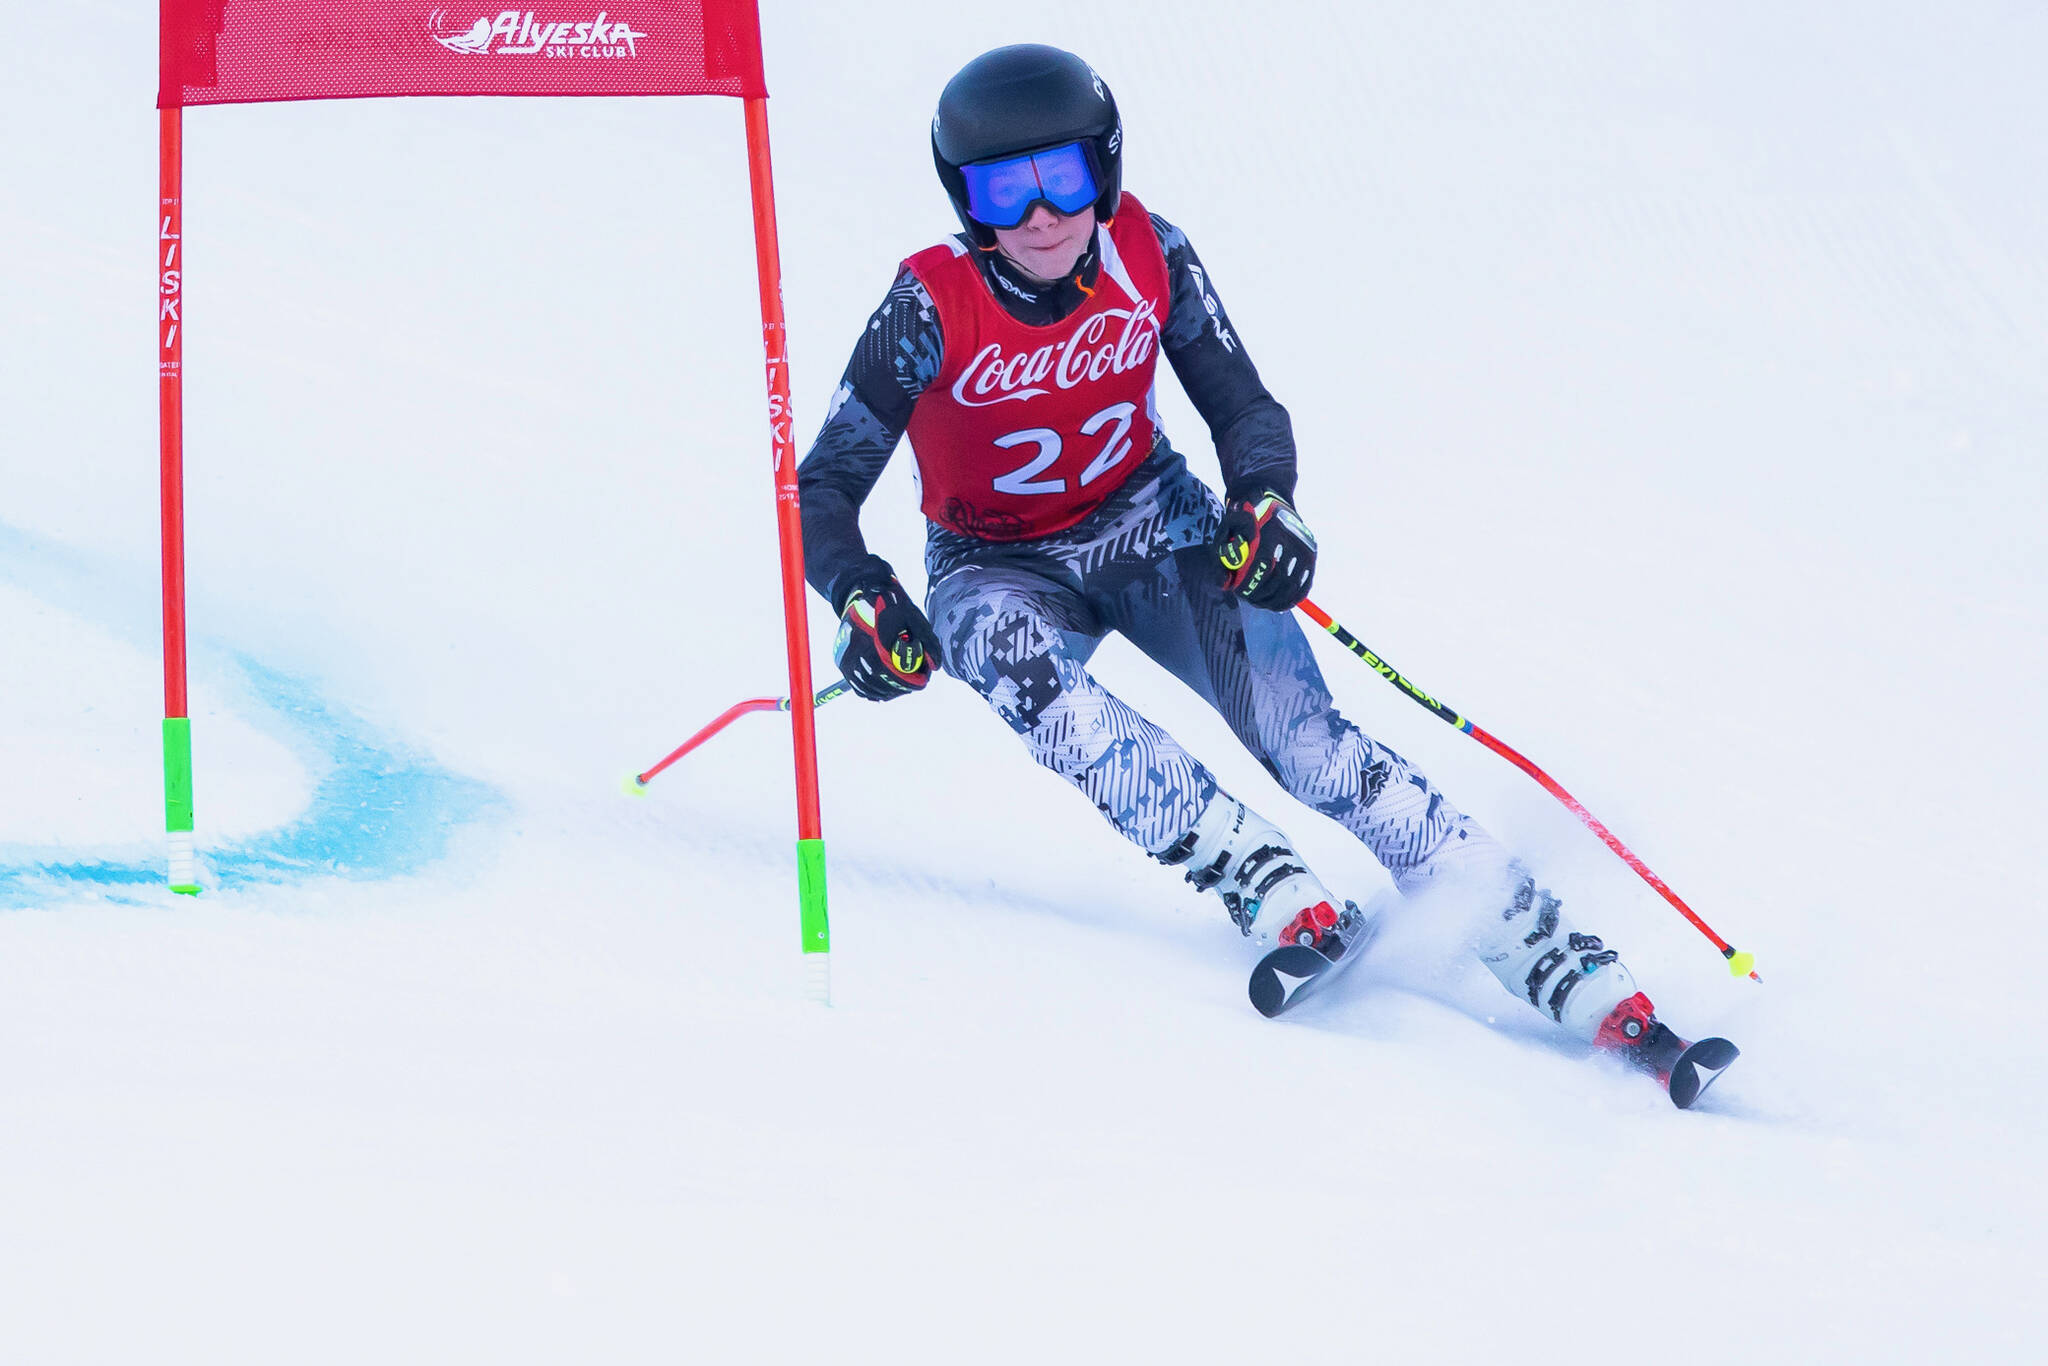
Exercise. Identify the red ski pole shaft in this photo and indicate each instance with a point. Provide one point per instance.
(730, 715)
(1738, 963)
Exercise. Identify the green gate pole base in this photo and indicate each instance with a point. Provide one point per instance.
(184, 868)
(817, 930)
(810, 885)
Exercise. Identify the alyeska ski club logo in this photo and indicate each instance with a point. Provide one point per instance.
(519, 33)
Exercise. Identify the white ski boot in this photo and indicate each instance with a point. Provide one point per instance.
(1267, 888)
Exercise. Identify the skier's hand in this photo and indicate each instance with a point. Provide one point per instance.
(885, 646)
(1267, 553)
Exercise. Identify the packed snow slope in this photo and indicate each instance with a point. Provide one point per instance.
(1672, 393)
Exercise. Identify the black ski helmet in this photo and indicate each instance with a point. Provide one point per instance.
(1025, 98)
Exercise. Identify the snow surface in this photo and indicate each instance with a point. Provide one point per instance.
(1672, 391)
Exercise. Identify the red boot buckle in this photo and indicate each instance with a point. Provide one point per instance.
(1308, 927)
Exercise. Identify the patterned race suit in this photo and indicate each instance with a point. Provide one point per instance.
(1020, 605)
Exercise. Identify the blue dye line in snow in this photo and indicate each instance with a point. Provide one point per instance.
(379, 810)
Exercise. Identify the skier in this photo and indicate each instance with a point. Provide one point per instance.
(1019, 356)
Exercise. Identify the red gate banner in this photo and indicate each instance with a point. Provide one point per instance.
(244, 51)
(249, 51)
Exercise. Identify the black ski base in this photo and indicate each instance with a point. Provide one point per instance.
(1291, 973)
(1286, 976)
(1697, 1068)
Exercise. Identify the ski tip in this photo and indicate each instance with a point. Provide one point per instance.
(1269, 997)
(1285, 975)
(1698, 1068)
(632, 786)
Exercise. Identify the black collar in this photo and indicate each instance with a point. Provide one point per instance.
(1033, 302)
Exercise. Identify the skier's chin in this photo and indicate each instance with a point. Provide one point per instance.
(1047, 263)
(1056, 254)
(1050, 263)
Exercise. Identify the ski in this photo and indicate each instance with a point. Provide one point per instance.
(1291, 973)
(1697, 1068)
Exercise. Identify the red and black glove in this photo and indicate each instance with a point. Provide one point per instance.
(885, 646)
(1267, 553)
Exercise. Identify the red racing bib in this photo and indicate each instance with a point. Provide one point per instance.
(1027, 429)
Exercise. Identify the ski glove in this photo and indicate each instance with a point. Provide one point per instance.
(885, 646)
(1267, 553)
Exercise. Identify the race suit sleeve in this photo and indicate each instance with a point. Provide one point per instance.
(1253, 436)
(898, 354)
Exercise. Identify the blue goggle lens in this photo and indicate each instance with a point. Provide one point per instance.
(1001, 193)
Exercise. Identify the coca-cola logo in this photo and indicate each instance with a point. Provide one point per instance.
(995, 376)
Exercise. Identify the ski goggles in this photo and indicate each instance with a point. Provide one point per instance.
(1001, 194)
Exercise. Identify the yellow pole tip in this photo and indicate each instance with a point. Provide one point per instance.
(632, 786)
(1741, 964)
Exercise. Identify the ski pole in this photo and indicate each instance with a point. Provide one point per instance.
(636, 783)
(1738, 963)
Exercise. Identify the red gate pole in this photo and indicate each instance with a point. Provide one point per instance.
(170, 369)
(810, 843)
